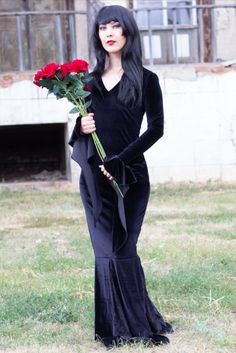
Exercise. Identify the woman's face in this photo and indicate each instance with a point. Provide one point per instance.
(111, 36)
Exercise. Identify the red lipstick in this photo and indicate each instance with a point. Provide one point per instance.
(111, 42)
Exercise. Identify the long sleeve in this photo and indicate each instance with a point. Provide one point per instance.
(155, 118)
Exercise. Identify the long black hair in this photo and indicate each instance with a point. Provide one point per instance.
(130, 88)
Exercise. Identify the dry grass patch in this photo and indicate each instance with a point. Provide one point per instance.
(187, 248)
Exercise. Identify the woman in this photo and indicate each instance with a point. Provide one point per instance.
(121, 92)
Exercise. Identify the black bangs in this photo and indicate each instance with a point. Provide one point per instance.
(105, 21)
(110, 13)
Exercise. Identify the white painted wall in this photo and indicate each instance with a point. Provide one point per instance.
(24, 103)
(199, 142)
(200, 122)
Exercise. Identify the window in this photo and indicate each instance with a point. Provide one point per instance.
(168, 33)
(29, 41)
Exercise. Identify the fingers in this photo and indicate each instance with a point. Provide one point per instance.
(105, 172)
(88, 124)
(89, 116)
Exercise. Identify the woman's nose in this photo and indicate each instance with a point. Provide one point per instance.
(109, 32)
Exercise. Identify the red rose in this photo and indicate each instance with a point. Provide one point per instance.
(65, 69)
(49, 70)
(37, 77)
(36, 83)
(87, 88)
(79, 65)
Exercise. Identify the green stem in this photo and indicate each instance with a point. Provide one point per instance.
(98, 145)
(117, 187)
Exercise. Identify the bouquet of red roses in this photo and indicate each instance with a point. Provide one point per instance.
(69, 80)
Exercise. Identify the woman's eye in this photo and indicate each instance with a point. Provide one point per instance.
(116, 25)
(102, 28)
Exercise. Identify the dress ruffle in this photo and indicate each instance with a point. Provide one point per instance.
(123, 173)
(124, 176)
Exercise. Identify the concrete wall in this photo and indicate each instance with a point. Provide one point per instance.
(225, 30)
(200, 126)
(200, 121)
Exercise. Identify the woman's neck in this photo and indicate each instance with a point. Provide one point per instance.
(115, 64)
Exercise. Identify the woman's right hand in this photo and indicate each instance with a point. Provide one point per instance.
(87, 124)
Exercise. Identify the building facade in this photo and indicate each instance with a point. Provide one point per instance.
(186, 45)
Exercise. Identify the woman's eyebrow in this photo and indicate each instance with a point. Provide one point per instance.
(112, 23)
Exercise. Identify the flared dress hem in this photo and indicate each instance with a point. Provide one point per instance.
(152, 340)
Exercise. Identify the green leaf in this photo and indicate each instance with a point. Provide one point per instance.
(74, 110)
(78, 92)
(88, 103)
(60, 94)
(73, 78)
(79, 84)
(46, 83)
(50, 90)
(56, 89)
(87, 77)
(66, 80)
(86, 93)
(57, 83)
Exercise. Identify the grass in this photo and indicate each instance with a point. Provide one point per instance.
(187, 247)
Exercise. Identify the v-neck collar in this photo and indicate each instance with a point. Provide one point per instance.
(112, 87)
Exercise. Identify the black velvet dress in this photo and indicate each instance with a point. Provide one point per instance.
(123, 309)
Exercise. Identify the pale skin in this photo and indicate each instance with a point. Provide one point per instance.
(113, 41)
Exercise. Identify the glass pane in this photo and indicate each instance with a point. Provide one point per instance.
(43, 38)
(156, 16)
(156, 47)
(8, 36)
(183, 45)
(43, 47)
(183, 16)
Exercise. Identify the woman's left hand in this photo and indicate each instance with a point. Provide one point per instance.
(105, 172)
